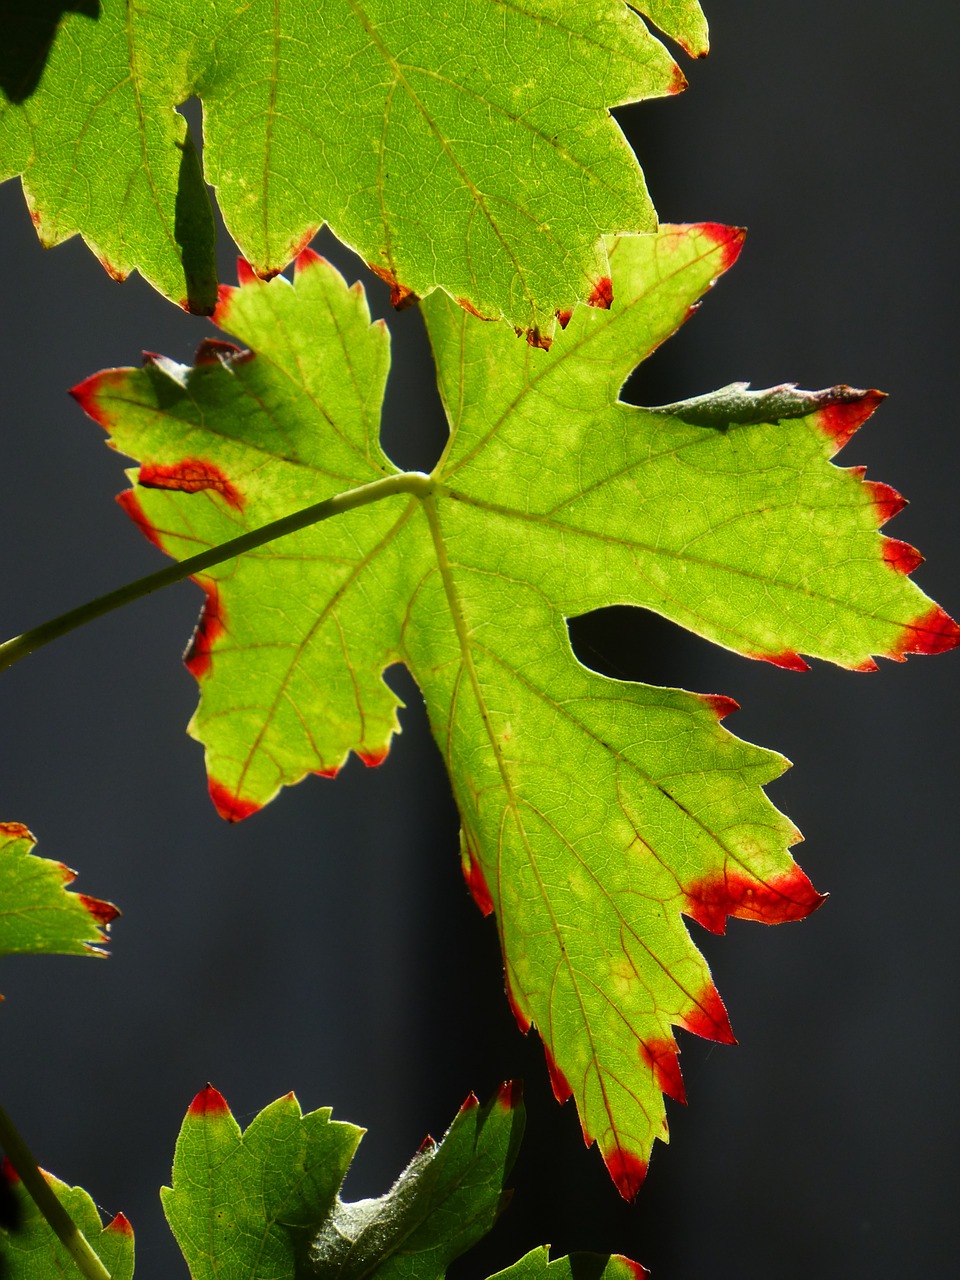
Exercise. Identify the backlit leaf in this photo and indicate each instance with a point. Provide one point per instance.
(596, 813)
(38, 913)
(468, 147)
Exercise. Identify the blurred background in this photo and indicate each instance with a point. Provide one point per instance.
(328, 945)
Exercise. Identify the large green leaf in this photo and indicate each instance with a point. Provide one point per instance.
(31, 1251)
(468, 146)
(263, 1204)
(596, 813)
(38, 914)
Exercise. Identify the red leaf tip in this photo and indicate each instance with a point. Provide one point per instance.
(633, 1267)
(426, 1146)
(787, 660)
(564, 317)
(470, 1103)
(663, 1060)
(627, 1171)
(130, 503)
(510, 1095)
(87, 394)
(230, 806)
(103, 912)
(933, 632)
(709, 1018)
(208, 1102)
(211, 626)
(15, 831)
(120, 1224)
(900, 556)
(789, 896)
(373, 759)
(678, 81)
(886, 501)
(602, 294)
(401, 296)
(729, 240)
(844, 412)
(720, 704)
(521, 1019)
(306, 259)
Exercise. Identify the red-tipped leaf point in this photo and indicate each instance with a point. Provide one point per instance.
(130, 503)
(426, 1146)
(115, 273)
(662, 1059)
(900, 556)
(521, 1019)
(537, 339)
(209, 1102)
(8, 1171)
(15, 831)
(89, 394)
(886, 501)
(472, 310)
(211, 626)
(634, 1268)
(678, 81)
(627, 1171)
(787, 660)
(561, 1085)
(709, 1018)
(473, 875)
(374, 759)
(103, 912)
(191, 475)
(846, 413)
(720, 704)
(564, 318)
(246, 273)
(602, 294)
(327, 773)
(510, 1095)
(933, 632)
(789, 896)
(470, 1103)
(300, 247)
(231, 807)
(306, 259)
(728, 239)
(120, 1224)
(212, 351)
(400, 296)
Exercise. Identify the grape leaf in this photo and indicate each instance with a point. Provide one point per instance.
(536, 1265)
(31, 1251)
(264, 1202)
(468, 147)
(38, 914)
(595, 812)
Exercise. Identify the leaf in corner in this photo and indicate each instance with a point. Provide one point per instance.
(596, 813)
(31, 1251)
(467, 147)
(264, 1202)
(38, 913)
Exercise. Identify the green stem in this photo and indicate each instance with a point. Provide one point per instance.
(66, 1230)
(413, 482)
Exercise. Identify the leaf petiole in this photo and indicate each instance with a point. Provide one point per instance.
(416, 483)
(58, 1219)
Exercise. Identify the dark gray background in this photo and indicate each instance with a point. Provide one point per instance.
(328, 945)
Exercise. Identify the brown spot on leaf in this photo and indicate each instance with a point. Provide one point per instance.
(564, 317)
(400, 296)
(537, 339)
(602, 294)
(190, 475)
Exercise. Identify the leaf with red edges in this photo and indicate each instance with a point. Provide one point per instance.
(599, 816)
(456, 147)
(32, 1251)
(38, 914)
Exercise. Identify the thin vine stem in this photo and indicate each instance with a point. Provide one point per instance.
(413, 482)
(60, 1222)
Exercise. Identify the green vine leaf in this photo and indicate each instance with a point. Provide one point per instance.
(467, 147)
(596, 813)
(31, 1251)
(265, 1202)
(38, 914)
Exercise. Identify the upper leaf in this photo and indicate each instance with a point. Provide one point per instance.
(468, 147)
(596, 813)
(32, 1251)
(37, 912)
